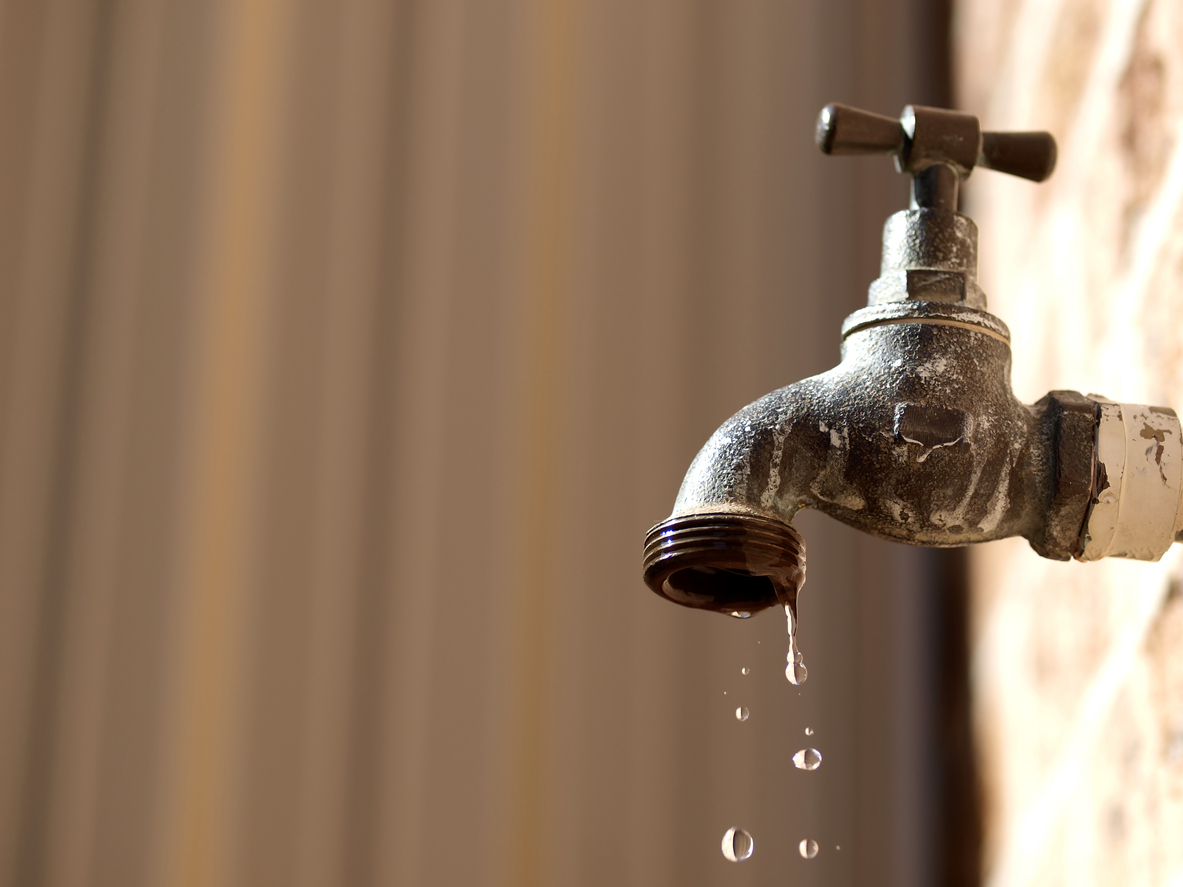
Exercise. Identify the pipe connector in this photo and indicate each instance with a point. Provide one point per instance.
(1137, 482)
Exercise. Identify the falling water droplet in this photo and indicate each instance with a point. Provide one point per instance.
(808, 848)
(737, 845)
(741, 714)
(740, 614)
(745, 670)
(795, 671)
(807, 759)
(808, 731)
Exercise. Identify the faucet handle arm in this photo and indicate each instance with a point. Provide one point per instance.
(842, 129)
(1028, 155)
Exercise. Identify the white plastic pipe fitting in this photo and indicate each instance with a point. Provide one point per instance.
(1137, 481)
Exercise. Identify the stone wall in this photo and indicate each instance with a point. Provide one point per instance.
(1078, 669)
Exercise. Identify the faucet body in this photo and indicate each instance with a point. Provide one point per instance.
(916, 436)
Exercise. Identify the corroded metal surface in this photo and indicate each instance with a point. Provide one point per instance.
(914, 436)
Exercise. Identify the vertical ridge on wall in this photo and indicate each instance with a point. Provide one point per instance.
(220, 501)
(649, 258)
(418, 537)
(544, 313)
(67, 76)
(90, 563)
(351, 281)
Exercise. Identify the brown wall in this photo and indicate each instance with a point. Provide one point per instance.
(347, 350)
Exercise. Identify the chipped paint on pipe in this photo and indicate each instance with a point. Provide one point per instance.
(1139, 474)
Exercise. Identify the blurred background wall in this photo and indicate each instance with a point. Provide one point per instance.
(1078, 672)
(347, 351)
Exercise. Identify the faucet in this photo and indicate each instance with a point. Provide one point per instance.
(916, 436)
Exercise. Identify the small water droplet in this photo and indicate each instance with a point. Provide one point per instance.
(741, 714)
(745, 670)
(808, 731)
(737, 844)
(795, 671)
(808, 848)
(740, 614)
(807, 759)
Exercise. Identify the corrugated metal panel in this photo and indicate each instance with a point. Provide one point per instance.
(348, 350)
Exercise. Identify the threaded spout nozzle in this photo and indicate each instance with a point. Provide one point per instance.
(731, 562)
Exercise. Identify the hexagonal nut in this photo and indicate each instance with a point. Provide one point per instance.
(1069, 431)
(928, 285)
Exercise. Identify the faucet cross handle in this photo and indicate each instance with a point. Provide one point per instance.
(937, 147)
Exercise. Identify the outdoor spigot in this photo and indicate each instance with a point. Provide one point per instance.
(916, 436)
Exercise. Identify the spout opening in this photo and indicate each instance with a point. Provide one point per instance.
(724, 561)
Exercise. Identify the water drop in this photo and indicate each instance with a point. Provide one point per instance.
(741, 714)
(807, 759)
(740, 614)
(808, 848)
(795, 671)
(738, 845)
(808, 731)
(745, 670)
